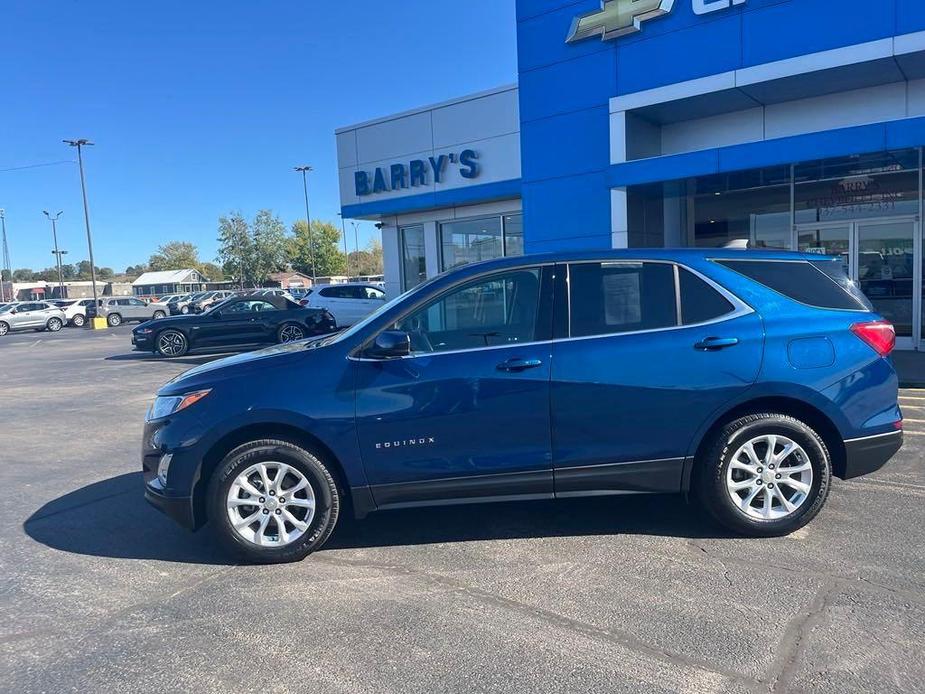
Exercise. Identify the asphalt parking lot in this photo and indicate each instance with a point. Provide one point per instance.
(99, 592)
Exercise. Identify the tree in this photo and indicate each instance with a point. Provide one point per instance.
(269, 245)
(23, 274)
(236, 248)
(175, 255)
(68, 271)
(105, 273)
(83, 271)
(136, 270)
(211, 272)
(324, 248)
(4, 275)
(368, 261)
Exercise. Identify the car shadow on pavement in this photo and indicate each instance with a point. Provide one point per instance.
(111, 519)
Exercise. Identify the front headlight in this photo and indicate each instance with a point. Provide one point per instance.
(168, 405)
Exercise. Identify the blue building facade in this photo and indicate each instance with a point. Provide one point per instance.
(777, 123)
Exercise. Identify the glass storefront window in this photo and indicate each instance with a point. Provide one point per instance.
(859, 187)
(747, 205)
(413, 263)
(471, 240)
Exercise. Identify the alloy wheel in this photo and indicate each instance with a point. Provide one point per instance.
(115, 320)
(769, 477)
(4, 329)
(290, 333)
(79, 320)
(271, 504)
(171, 343)
(54, 325)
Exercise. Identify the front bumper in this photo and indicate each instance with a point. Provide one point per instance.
(178, 508)
(870, 453)
(142, 343)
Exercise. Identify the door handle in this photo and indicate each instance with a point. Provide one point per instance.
(517, 364)
(713, 344)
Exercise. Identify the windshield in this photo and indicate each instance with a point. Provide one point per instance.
(357, 327)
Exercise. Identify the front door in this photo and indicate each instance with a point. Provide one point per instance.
(880, 256)
(466, 414)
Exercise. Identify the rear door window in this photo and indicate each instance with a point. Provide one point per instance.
(802, 281)
(700, 303)
(620, 297)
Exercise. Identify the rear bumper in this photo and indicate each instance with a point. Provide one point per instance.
(866, 455)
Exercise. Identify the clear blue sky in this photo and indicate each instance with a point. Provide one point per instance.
(199, 108)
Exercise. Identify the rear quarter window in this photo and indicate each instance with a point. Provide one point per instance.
(802, 281)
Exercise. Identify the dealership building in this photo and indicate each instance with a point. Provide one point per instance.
(795, 124)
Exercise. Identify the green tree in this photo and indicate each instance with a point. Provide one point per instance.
(175, 255)
(136, 270)
(367, 261)
(236, 248)
(4, 275)
(268, 235)
(212, 272)
(68, 271)
(324, 249)
(105, 273)
(23, 274)
(83, 271)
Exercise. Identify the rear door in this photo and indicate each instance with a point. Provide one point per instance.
(653, 349)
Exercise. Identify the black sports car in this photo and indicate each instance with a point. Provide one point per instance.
(238, 321)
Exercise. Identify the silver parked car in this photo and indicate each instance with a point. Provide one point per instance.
(119, 309)
(34, 315)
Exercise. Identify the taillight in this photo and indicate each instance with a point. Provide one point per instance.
(880, 335)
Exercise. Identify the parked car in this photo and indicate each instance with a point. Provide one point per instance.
(180, 306)
(35, 315)
(348, 303)
(120, 309)
(210, 299)
(167, 299)
(236, 322)
(747, 379)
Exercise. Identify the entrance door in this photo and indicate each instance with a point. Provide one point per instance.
(880, 256)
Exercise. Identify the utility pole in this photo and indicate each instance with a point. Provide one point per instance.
(356, 238)
(56, 252)
(83, 188)
(308, 219)
(7, 265)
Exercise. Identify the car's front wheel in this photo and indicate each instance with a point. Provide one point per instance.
(79, 320)
(272, 502)
(171, 343)
(765, 475)
(290, 332)
(53, 325)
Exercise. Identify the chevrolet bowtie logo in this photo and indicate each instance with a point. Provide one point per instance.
(617, 18)
(621, 17)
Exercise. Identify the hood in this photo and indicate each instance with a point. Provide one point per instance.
(239, 366)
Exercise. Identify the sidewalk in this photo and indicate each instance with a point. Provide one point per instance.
(911, 368)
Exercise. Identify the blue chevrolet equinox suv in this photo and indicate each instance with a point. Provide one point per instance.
(744, 379)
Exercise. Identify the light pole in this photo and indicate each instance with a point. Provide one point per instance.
(343, 231)
(308, 219)
(83, 187)
(56, 252)
(7, 265)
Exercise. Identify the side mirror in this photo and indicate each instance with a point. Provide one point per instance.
(390, 344)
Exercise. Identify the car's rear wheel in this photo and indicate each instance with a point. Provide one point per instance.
(171, 343)
(184, 310)
(114, 320)
(159, 314)
(53, 325)
(4, 328)
(765, 475)
(78, 320)
(272, 502)
(290, 332)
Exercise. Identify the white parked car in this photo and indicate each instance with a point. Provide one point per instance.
(349, 303)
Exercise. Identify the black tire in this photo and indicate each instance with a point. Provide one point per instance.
(324, 487)
(78, 320)
(290, 332)
(4, 328)
(712, 468)
(54, 325)
(171, 344)
(158, 315)
(113, 320)
(184, 311)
